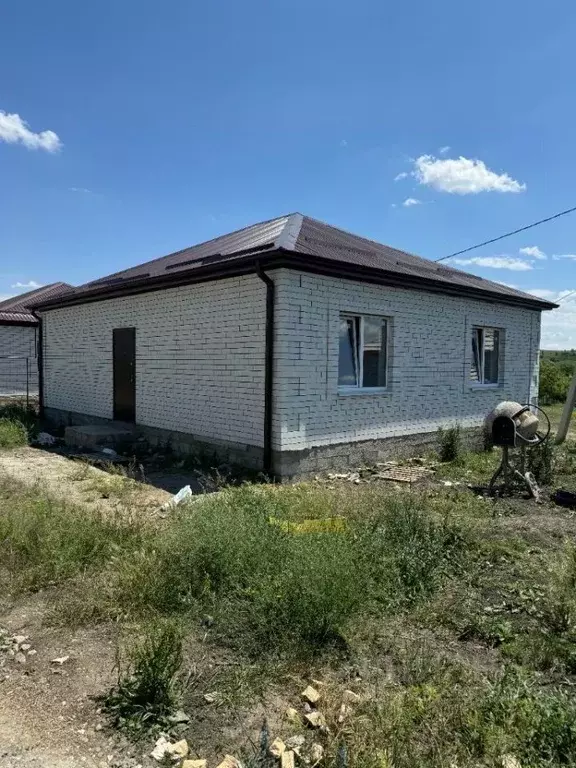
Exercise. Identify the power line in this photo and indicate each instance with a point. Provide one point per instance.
(561, 299)
(508, 234)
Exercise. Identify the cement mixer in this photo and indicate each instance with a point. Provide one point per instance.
(513, 425)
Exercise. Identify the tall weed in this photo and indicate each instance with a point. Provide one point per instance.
(147, 689)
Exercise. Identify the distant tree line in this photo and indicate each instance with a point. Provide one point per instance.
(556, 372)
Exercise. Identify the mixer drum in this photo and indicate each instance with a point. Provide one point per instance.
(526, 422)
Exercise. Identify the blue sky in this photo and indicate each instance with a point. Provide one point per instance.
(132, 129)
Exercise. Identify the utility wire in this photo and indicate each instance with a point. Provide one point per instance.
(508, 234)
(561, 299)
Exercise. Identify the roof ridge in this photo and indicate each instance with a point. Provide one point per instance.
(21, 299)
(158, 259)
(289, 236)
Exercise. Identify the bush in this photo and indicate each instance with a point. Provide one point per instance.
(272, 587)
(554, 382)
(541, 461)
(12, 433)
(450, 443)
(146, 693)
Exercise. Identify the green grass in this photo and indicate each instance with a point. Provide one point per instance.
(445, 714)
(12, 434)
(43, 541)
(148, 686)
(455, 616)
(273, 589)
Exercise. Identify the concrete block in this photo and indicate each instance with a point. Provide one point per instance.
(96, 435)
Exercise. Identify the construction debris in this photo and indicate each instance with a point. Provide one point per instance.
(316, 753)
(277, 748)
(194, 764)
(60, 660)
(293, 716)
(315, 719)
(229, 762)
(343, 713)
(350, 697)
(295, 742)
(287, 759)
(179, 717)
(311, 695)
(405, 474)
(165, 748)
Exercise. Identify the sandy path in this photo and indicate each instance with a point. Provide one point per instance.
(80, 483)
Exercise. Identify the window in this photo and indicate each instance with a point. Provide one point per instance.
(363, 347)
(485, 367)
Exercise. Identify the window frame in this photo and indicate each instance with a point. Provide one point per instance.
(358, 353)
(481, 383)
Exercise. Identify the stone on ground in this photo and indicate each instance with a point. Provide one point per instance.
(311, 695)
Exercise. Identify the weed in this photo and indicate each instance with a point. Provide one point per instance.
(22, 413)
(272, 588)
(541, 461)
(450, 443)
(12, 433)
(445, 714)
(43, 541)
(147, 689)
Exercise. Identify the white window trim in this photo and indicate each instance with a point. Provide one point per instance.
(489, 385)
(350, 389)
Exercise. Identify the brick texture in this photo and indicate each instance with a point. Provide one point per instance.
(18, 345)
(200, 362)
(429, 362)
(199, 358)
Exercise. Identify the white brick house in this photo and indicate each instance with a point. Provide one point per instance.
(290, 344)
(19, 340)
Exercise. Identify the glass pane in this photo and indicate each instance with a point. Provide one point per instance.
(476, 368)
(348, 355)
(374, 352)
(491, 355)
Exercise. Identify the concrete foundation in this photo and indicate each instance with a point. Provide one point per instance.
(77, 424)
(90, 431)
(97, 435)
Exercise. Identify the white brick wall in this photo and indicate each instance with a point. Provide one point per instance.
(18, 343)
(199, 358)
(430, 356)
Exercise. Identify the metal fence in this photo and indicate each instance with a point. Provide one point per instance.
(18, 377)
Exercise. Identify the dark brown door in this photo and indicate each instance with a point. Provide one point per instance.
(124, 356)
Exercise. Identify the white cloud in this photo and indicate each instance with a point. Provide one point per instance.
(29, 286)
(343, 143)
(564, 256)
(401, 176)
(443, 150)
(462, 176)
(533, 252)
(15, 130)
(410, 201)
(558, 325)
(496, 262)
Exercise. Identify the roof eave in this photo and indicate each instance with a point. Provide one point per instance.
(288, 258)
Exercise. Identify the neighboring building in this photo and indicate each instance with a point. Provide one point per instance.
(290, 344)
(19, 339)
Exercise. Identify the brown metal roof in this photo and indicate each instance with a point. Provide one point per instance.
(304, 243)
(17, 309)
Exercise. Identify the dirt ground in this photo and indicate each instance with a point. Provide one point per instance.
(49, 713)
(78, 482)
(47, 719)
